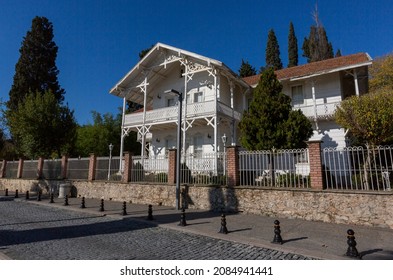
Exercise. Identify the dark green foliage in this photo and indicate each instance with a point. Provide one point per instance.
(269, 121)
(42, 127)
(293, 57)
(36, 69)
(273, 52)
(144, 52)
(106, 129)
(317, 46)
(338, 53)
(246, 70)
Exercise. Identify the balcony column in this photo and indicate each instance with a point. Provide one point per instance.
(355, 77)
(233, 115)
(315, 105)
(143, 88)
(122, 135)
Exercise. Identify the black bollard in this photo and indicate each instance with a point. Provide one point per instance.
(27, 195)
(277, 233)
(16, 194)
(83, 205)
(124, 213)
(223, 228)
(183, 222)
(6, 192)
(66, 201)
(150, 213)
(352, 251)
(51, 198)
(39, 195)
(102, 206)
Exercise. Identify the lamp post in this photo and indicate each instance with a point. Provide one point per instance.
(224, 141)
(110, 160)
(178, 153)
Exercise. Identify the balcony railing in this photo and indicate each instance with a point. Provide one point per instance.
(321, 111)
(170, 114)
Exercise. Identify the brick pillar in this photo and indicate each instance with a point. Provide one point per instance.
(233, 166)
(92, 167)
(20, 169)
(315, 159)
(127, 167)
(40, 167)
(172, 166)
(3, 169)
(64, 166)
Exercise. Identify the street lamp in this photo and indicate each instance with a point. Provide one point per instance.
(180, 95)
(110, 160)
(224, 141)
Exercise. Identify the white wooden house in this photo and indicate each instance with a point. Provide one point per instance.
(215, 97)
(318, 88)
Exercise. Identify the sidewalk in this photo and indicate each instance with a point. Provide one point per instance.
(307, 238)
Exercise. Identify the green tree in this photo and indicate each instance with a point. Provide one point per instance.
(368, 117)
(273, 52)
(246, 69)
(270, 121)
(42, 127)
(316, 46)
(381, 73)
(338, 53)
(144, 52)
(106, 129)
(293, 57)
(36, 69)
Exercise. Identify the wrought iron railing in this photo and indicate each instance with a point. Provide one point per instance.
(358, 168)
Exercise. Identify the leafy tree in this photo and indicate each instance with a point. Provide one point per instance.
(270, 121)
(368, 117)
(106, 129)
(144, 52)
(42, 127)
(338, 53)
(381, 73)
(36, 69)
(246, 70)
(293, 57)
(273, 51)
(317, 46)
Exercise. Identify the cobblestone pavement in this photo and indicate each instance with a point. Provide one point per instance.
(35, 232)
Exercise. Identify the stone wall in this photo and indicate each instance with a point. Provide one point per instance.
(362, 208)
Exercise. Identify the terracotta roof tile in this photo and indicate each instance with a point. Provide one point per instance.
(315, 67)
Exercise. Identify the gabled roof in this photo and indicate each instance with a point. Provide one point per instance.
(317, 68)
(154, 66)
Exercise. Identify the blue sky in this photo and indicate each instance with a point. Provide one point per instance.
(99, 41)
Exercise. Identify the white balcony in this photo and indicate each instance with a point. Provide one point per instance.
(170, 114)
(321, 111)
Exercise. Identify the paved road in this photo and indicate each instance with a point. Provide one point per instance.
(29, 231)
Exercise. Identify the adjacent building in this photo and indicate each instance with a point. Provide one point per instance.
(214, 98)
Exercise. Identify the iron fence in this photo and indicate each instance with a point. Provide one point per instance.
(30, 169)
(51, 169)
(11, 169)
(203, 169)
(275, 168)
(358, 168)
(149, 169)
(108, 169)
(78, 168)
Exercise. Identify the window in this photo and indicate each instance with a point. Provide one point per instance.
(297, 95)
(195, 97)
(198, 144)
(170, 102)
(198, 97)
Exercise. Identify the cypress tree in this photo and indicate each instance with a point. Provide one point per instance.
(273, 52)
(270, 121)
(36, 69)
(246, 69)
(293, 58)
